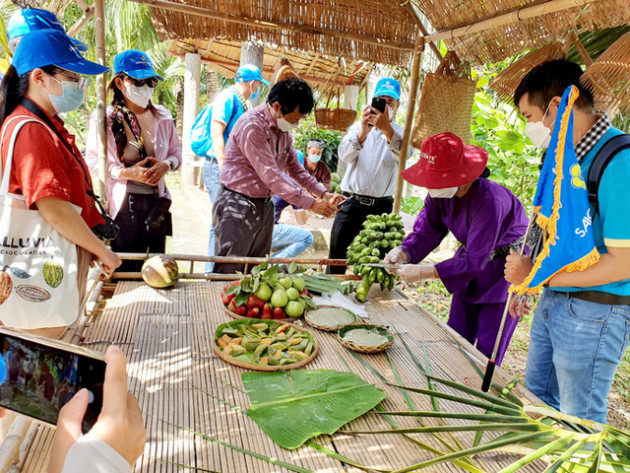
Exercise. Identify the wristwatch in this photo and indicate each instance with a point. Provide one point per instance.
(170, 164)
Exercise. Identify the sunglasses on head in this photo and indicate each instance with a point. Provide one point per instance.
(151, 82)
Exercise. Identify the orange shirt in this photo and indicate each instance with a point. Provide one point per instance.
(43, 166)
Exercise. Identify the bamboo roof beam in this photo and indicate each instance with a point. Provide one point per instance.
(513, 17)
(423, 30)
(228, 18)
(81, 22)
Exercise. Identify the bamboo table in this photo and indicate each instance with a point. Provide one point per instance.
(168, 336)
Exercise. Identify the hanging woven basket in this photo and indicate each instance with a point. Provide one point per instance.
(335, 118)
(446, 102)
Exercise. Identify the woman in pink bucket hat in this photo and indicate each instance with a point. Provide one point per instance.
(485, 217)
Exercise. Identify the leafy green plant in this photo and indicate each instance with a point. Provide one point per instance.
(412, 205)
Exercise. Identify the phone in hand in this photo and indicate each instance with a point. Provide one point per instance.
(379, 103)
(38, 376)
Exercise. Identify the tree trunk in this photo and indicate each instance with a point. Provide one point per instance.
(212, 83)
(179, 122)
(252, 53)
(191, 106)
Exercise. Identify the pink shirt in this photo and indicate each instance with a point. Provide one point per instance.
(166, 147)
(256, 155)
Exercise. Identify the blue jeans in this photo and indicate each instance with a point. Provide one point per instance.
(211, 173)
(574, 351)
(290, 241)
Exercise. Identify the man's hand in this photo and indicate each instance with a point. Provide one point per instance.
(517, 268)
(519, 306)
(156, 172)
(382, 122)
(366, 120)
(334, 198)
(119, 425)
(110, 261)
(415, 272)
(396, 255)
(323, 207)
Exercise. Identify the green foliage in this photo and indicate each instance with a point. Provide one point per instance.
(500, 129)
(307, 130)
(412, 205)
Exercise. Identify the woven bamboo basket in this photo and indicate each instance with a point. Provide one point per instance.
(338, 119)
(446, 102)
(327, 328)
(365, 348)
(608, 78)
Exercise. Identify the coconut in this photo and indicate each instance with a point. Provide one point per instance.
(160, 271)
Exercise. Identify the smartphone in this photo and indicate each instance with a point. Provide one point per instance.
(40, 375)
(379, 103)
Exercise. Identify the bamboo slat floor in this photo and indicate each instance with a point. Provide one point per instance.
(168, 335)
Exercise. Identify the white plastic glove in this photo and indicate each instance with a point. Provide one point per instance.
(396, 256)
(415, 272)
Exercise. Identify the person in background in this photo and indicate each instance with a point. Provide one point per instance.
(485, 217)
(372, 149)
(315, 167)
(581, 327)
(44, 80)
(213, 127)
(260, 149)
(142, 146)
(32, 19)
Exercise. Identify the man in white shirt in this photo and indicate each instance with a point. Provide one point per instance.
(372, 150)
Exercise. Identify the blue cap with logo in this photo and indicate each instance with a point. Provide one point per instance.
(249, 72)
(41, 48)
(33, 19)
(136, 64)
(389, 87)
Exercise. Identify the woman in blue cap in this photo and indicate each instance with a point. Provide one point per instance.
(142, 146)
(47, 169)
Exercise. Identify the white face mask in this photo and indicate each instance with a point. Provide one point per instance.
(446, 193)
(285, 126)
(538, 132)
(139, 95)
(392, 112)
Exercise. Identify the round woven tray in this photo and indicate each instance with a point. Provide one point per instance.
(291, 366)
(364, 348)
(234, 315)
(327, 328)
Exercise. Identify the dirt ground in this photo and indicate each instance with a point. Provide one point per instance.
(191, 221)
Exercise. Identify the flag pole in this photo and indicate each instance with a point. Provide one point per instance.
(487, 378)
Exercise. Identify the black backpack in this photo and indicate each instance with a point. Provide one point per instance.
(603, 157)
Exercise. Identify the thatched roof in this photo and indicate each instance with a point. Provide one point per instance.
(224, 56)
(384, 31)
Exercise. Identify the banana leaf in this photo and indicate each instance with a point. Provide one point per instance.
(292, 407)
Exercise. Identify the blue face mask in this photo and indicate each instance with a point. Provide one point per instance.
(314, 158)
(254, 95)
(71, 96)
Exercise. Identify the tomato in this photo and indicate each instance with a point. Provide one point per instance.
(224, 298)
(253, 301)
(267, 312)
(253, 313)
(278, 313)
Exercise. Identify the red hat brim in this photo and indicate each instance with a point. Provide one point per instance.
(475, 163)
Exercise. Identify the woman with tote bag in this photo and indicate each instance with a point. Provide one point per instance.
(48, 207)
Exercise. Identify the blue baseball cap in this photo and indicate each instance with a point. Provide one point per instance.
(136, 64)
(41, 48)
(249, 72)
(389, 87)
(32, 19)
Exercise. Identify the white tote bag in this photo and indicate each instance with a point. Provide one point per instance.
(38, 267)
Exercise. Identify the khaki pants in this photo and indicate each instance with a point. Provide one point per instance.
(83, 266)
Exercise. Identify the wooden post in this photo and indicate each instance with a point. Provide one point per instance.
(411, 106)
(101, 98)
(252, 53)
(192, 79)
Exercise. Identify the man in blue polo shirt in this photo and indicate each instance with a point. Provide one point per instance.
(213, 126)
(581, 327)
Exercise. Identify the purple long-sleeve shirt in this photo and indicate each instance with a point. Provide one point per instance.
(488, 217)
(257, 154)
